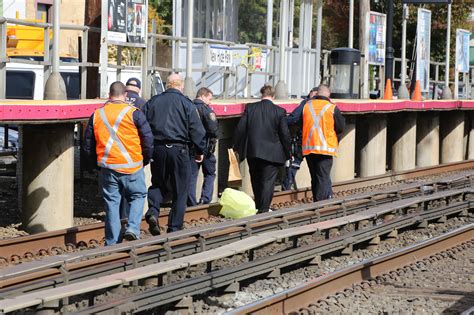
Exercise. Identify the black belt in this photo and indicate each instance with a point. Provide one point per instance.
(178, 143)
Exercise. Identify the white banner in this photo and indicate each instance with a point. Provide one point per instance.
(462, 50)
(423, 35)
(220, 56)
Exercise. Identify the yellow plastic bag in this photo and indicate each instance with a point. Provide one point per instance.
(236, 204)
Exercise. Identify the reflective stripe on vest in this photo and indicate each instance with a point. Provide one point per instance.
(317, 126)
(113, 138)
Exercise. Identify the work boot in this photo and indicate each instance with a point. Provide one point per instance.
(153, 227)
(130, 236)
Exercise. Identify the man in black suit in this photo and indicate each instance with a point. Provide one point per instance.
(262, 136)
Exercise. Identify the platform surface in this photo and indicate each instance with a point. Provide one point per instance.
(39, 112)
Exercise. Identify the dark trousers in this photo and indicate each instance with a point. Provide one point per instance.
(170, 170)
(263, 175)
(320, 169)
(209, 172)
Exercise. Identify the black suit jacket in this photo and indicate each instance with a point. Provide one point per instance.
(263, 133)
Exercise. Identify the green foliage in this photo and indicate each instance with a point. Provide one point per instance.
(253, 20)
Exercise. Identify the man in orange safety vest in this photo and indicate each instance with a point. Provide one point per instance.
(322, 126)
(119, 140)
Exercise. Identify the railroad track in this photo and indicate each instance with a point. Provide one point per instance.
(334, 235)
(45, 244)
(304, 298)
(123, 256)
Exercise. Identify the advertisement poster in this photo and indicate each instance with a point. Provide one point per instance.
(423, 35)
(220, 56)
(116, 21)
(375, 27)
(136, 21)
(127, 21)
(462, 50)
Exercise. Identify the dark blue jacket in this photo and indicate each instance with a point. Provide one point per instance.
(135, 99)
(208, 119)
(144, 131)
(173, 118)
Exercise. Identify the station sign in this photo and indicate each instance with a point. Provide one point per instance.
(220, 56)
(127, 21)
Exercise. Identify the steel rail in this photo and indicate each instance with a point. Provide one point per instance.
(88, 264)
(454, 205)
(91, 234)
(266, 265)
(295, 299)
(118, 257)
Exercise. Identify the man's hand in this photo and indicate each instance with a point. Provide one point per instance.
(199, 158)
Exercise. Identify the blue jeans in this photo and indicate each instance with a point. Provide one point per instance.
(209, 172)
(133, 188)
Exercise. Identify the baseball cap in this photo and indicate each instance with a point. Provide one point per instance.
(134, 82)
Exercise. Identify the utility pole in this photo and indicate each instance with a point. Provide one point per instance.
(364, 9)
(319, 23)
(281, 90)
(55, 88)
(269, 22)
(351, 23)
(402, 89)
(389, 50)
(447, 95)
(92, 19)
(188, 81)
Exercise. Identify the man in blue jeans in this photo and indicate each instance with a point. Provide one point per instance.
(119, 140)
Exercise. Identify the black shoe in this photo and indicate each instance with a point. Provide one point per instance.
(130, 236)
(153, 227)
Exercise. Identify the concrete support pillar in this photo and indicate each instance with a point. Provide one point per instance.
(48, 177)
(344, 164)
(470, 146)
(404, 144)
(452, 133)
(427, 139)
(373, 152)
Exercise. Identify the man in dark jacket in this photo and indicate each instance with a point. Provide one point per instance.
(176, 125)
(323, 125)
(134, 87)
(209, 120)
(262, 136)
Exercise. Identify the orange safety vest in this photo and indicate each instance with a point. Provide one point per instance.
(319, 136)
(117, 140)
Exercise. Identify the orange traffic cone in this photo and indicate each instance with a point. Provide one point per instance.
(388, 95)
(417, 93)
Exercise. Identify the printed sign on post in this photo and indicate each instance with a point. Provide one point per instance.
(375, 28)
(261, 61)
(423, 34)
(127, 21)
(220, 56)
(462, 50)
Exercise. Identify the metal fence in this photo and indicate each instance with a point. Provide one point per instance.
(241, 80)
